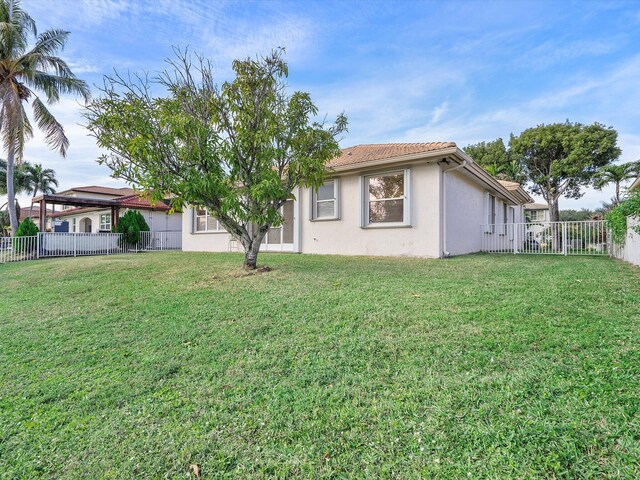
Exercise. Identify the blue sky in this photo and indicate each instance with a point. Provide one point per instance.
(402, 71)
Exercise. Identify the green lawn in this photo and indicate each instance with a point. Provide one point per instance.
(326, 367)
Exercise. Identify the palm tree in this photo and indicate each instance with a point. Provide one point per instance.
(41, 180)
(617, 174)
(23, 71)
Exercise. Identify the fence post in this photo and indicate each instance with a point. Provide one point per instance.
(515, 239)
(564, 238)
(75, 243)
(38, 244)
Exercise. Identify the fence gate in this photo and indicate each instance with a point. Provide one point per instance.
(547, 238)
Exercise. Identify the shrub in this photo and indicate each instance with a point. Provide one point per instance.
(130, 225)
(26, 229)
(617, 217)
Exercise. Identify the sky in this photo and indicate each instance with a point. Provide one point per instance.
(414, 71)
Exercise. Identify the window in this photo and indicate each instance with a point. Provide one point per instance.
(513, 222)
(491, 213)
(105, 221)
(205, 222)
(74, 224)
(536, 215)
(386, 199)
(505, 217)
(324, 202)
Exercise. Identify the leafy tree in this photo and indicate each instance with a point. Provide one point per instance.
(41, 180)
(561, 158)
(130, 225)
(617, 217)
(616, 174)
(238, 149)
(578, 215)
(495, 157)
(26, 70)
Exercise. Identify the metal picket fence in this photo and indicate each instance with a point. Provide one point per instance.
(547, 238)
(52, 244)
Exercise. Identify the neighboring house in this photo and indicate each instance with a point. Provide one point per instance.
(635, 185)
(418, 199)
(96, 219)
(538, 217)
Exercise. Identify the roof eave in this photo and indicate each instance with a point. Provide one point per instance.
(490, 181)
(428, 155)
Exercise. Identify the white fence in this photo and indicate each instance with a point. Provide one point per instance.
(547, 238)
(48, 244)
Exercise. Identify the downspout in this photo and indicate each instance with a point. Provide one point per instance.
(443, 204)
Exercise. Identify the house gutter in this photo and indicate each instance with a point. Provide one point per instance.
(443, 204)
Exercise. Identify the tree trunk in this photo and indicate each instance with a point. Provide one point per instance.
(251, 243)
(11, 193)
(554, 216)
(617, 193)
(251, 256)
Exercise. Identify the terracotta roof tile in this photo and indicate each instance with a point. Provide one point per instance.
(139, 201)
(536, 206)
(509, 185)
(102, 190)
(369, 153)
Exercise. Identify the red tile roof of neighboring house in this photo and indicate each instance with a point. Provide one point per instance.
(139, 201)
(74, 211)
(101, 190)
(134, 201)
(24, 212)
(368, 153)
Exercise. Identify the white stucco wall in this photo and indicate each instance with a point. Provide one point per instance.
(346, 236)
(201, 241)
(630, 251)
(465, 213)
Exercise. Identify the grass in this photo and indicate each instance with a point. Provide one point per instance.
(326, 367)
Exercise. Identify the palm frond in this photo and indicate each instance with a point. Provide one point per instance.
(53, 130)
(54, 85)
(50, 42)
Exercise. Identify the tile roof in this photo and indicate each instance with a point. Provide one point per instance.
(134, 201)
(75, 211)
(510, 185)
(102, 190)
(24, 212)
(369, 153)
(139, 201)
(536, 206)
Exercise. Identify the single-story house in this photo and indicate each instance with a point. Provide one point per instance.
(635, 185)
(92, 219)
(414, 199)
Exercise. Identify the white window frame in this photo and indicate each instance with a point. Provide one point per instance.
(490, 213)
(505, 217)
(313, 202)
(538, 213)
(512, 211)
(74, 224)
(107, 224)
(406, 200)
(208, 219)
